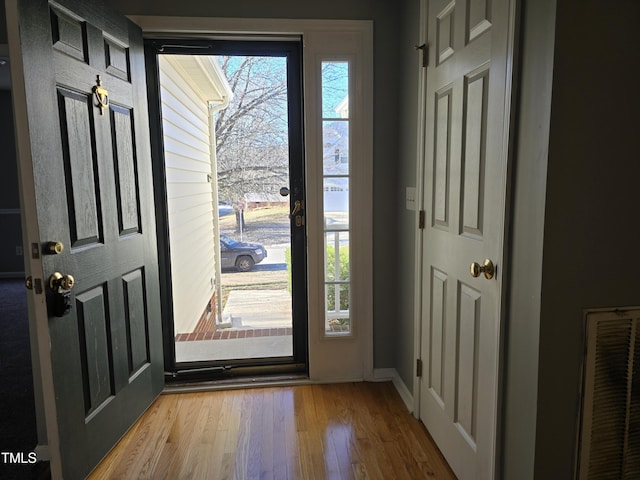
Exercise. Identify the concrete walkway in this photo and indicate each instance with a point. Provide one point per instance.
(234, 349)
(246, 309)
(258, 309)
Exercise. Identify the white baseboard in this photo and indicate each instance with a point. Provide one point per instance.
(386, 374)
(42, 453)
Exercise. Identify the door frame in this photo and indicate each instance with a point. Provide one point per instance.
(291, 49)
(329, 359)
(421, 304)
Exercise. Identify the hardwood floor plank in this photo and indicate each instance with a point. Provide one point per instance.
(266, 433)
(140, 449)
(292, 444)
(280, 447)
(341, 431)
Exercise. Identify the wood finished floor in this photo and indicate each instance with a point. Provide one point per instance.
(339, 431)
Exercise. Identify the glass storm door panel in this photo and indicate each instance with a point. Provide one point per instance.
(233, 163)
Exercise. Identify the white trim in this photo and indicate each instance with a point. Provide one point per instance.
(322, 39)
(38, 316)
(211, 26)
(341, 355)
(386, 374)
(42, 453)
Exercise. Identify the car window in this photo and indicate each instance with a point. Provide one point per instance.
(228, 242)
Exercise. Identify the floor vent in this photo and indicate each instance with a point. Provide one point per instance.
(610, 431)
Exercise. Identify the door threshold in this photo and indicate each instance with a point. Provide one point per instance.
(259, 381)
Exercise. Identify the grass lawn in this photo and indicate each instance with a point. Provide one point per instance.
(258, 216)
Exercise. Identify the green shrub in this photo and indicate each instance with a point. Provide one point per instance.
(343, 275)
(287, 259)
(330, 275)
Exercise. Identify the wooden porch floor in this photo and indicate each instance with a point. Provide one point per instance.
(350, 430)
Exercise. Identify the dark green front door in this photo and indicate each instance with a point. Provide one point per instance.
(86, 183)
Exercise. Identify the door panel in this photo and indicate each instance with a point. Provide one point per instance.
(90, 190)
(442, 158)
(473, 161)
(467, 88)
(248, 308)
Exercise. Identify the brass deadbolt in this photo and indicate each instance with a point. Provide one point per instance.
(55, 248)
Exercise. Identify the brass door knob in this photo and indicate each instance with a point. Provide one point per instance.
(487, 268)
(57, 281)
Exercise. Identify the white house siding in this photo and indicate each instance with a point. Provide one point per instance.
(189, 194)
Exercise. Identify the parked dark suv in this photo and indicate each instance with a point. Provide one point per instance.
(240, 255)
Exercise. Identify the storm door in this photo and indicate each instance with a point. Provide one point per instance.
(231, 150)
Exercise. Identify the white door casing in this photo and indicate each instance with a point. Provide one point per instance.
(464, 184)
(348, 357)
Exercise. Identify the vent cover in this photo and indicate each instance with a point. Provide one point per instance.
(610, 433)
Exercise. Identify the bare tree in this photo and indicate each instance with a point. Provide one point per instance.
(252, 136)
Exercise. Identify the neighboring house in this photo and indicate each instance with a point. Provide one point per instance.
(192, 88)
(335, 159)
(257, 200)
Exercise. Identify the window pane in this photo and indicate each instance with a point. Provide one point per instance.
(335, 147)
(336, 203)
(338, 320)
(335, 169)
(335, 89)
(338, 325)
(335, 241)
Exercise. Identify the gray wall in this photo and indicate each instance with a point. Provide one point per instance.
(406, 229)
(524, 284)
(386, 84)
(591, 252)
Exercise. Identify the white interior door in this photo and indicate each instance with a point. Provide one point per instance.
(466, 151)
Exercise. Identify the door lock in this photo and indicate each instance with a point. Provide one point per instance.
(296, 213)
(54, 248)
(61, 286)
(59, 281)
(297, 206)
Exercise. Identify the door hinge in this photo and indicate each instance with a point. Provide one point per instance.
(421, 219)
(418, 367)
(424, 48)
